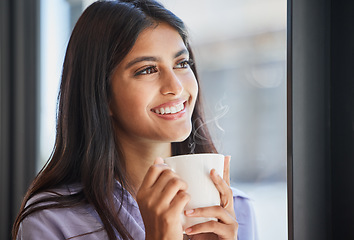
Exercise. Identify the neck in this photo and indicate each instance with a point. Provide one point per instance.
(139, 156)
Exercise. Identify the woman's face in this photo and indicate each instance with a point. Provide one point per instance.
(154, 89)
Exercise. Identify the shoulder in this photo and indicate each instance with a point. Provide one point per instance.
(55, 192)
(59, 222)
(243, 206)
(245, 215)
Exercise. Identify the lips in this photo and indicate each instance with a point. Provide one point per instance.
(167, 109)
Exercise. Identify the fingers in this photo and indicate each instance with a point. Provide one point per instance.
(161, 199)
(160, 185)
(179, 202)
(225, 228)
(226, 174)
(213, 211)
(169, 184)
(226, 197)
(223, 231)
(153, 173)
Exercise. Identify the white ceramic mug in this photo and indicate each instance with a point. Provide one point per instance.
(195, 170)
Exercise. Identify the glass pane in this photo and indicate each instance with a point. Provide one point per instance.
(240, 48)
(54, 35)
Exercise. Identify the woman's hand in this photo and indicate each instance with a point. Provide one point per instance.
(161, 199)
(226, 227)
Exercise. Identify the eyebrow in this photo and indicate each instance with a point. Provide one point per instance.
(179, 53)
(141, 59)
(153, 59)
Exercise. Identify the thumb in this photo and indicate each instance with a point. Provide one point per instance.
(159, 160)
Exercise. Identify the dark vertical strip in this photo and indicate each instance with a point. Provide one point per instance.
(5, 93)
(289, 123)
(18, 118)
(25, 78)
(342, 118)
(310, 119)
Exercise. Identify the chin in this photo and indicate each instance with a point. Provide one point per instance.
(182, 136)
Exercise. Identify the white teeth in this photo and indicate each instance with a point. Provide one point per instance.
(173, 110)
(170, 110)
(179, 107)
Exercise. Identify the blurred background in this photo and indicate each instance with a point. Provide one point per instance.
(240, 49)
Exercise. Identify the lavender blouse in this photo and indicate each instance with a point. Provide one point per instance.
(67, 223)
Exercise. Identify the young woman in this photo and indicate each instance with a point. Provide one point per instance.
(128, 98)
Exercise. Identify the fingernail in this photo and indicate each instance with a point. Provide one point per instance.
(158, 160)
(188, 230)
(161, 164)
(189, 212)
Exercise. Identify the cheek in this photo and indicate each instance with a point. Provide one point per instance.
(132, 101)
(192, 86)
(195, 88)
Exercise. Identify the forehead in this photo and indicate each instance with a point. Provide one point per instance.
(160, 39)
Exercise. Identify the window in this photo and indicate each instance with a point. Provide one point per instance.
(240, 48)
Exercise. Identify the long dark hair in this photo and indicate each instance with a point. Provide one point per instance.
(86, 150)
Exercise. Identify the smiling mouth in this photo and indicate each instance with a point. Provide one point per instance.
(169, 110)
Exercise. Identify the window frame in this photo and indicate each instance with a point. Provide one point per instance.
(320, 119)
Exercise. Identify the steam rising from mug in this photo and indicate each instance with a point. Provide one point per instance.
(198, 138)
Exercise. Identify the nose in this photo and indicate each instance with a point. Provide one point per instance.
(171, 84)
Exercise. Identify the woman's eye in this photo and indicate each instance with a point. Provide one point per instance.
(145, 71)
(183, 64)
